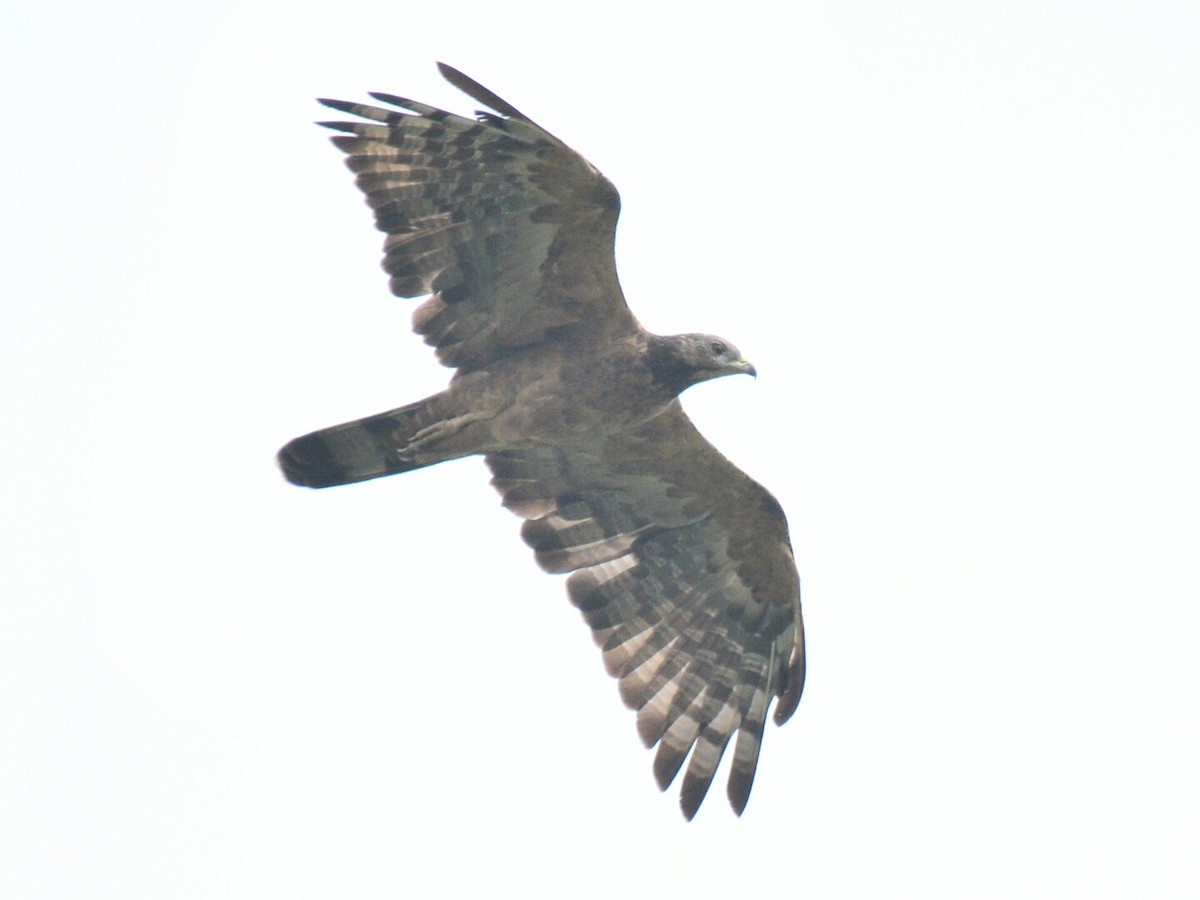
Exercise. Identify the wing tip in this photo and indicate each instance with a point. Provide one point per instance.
(794, 683)
(392, 99)
(347, 127)
(738, 798)
(449, 72)
(340, 105)
(694, 790)
(479, 93)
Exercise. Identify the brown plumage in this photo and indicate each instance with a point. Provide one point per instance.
(682, 564)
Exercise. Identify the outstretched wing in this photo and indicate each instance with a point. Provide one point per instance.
(509, 229)
(683, 569)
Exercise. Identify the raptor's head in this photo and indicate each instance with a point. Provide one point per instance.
(681, 360)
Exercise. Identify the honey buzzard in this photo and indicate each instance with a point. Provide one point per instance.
(682, 564)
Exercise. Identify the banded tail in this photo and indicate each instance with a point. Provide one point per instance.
(366, 448)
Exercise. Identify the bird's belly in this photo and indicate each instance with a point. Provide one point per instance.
(561, 409)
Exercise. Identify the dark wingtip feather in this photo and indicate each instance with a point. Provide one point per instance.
(738, 789)
(478, 92)
(391, 99)
(340, 105)
(794, 685)
(338, 126)
(692, 794)
(739, 803)
(650, 729)
(667, 763)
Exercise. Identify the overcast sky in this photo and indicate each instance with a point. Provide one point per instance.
(959, 242)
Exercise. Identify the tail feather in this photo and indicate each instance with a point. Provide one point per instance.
(357, 451)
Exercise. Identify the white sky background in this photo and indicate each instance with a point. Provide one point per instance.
(959, 241)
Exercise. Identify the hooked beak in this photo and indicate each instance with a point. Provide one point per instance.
(744, 365)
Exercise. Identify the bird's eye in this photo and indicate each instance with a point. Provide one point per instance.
(717, 347)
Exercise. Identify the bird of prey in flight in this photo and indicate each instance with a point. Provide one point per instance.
(681, 563)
